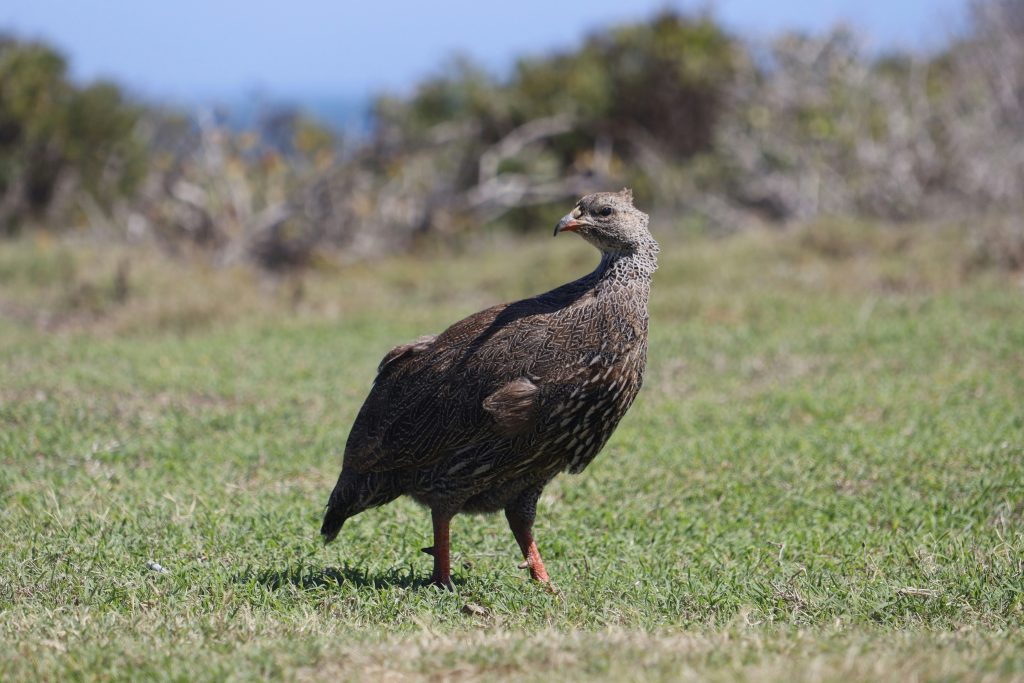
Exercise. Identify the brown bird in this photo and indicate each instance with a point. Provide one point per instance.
(482, 416)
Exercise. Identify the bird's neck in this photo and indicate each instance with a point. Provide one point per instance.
(629, 267)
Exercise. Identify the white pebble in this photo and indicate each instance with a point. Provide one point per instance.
(155, 566)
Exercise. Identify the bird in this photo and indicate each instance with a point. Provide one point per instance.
(482, 416)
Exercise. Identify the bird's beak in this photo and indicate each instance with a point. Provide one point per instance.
(568, 223)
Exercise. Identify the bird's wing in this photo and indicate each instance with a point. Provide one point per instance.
(470, 384)
(514, 406)
(426, 401)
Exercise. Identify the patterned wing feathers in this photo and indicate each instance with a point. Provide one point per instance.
(405, 351)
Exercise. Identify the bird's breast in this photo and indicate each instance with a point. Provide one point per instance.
(601, 388)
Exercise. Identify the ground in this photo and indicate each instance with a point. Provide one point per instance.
(822, 479)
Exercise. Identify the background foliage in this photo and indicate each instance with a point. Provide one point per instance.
(696, 120)
(60, 143)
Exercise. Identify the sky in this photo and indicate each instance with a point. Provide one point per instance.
(195, 48)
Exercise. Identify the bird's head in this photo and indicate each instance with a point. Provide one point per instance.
(610, 222)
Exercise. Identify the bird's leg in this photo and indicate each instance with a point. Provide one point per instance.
(522, 529)
(442, 575)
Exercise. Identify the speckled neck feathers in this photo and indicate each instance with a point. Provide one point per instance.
(632, 265)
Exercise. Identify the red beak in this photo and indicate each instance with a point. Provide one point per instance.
(567, 224)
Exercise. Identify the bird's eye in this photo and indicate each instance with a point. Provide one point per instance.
(606, 211)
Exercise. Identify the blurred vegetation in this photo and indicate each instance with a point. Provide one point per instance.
(663, 80)
(700, 124)
(59, 143)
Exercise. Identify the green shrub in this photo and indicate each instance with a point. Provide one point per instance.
(59, 141)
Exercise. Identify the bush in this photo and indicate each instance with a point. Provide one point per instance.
(59, 143)
(694, 120)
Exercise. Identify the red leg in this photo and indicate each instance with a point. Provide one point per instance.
(523, 531)
(442, 575)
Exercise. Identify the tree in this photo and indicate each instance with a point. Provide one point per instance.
(60, 142)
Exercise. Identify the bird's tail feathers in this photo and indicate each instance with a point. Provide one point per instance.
(334, 518)
(352, 495)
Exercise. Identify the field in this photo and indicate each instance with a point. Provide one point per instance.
(823, 478)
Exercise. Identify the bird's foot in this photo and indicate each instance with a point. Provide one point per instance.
(443, 582)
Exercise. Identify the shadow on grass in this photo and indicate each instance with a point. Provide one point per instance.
(307, 578)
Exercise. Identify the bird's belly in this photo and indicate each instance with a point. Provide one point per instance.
(483, 481)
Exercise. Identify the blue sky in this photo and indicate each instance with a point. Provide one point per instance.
(189, 48)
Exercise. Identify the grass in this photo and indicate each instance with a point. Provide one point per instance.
(823, 478)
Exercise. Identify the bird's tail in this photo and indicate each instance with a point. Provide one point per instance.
(334, 518)
(353, 494)
(339, 508)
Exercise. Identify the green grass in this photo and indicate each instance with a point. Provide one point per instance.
(823, 478)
